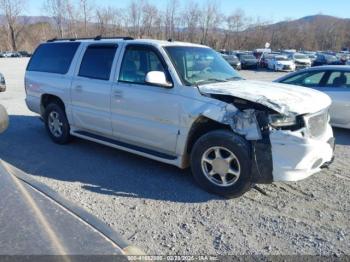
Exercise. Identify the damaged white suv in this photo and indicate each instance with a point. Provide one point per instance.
(180, 104)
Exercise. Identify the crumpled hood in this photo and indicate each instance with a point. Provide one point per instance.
(284, 99)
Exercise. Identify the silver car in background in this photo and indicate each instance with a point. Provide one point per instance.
(332, 80)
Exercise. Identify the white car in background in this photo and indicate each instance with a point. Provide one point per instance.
(281, 63)
(301, 61)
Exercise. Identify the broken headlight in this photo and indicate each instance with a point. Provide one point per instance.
(278, 120)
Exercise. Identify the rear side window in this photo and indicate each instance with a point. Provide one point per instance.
(339, 79)
(53, 58)
(309, 79)
(97, 62)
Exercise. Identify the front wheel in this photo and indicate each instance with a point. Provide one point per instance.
(57, 124)
(221, 163)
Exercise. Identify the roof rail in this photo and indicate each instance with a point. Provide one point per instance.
(96, 38)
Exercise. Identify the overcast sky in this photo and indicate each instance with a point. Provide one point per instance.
(271, 10)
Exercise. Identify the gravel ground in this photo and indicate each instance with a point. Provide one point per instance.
(160, 209)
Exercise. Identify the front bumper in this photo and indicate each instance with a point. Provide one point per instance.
(296, 157)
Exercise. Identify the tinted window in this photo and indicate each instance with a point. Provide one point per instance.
(311, 79)
(339, 79)
(97, 62)
(53, 57)
(137, 62)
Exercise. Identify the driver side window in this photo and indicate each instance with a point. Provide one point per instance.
(137, 63)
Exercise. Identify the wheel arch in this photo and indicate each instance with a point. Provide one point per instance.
(47, 99)
(200, 127)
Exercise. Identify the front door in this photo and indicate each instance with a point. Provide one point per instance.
(142, 114)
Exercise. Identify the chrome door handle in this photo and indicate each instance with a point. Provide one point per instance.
(79, 88)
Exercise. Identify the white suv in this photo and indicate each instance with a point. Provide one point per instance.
(180, 104)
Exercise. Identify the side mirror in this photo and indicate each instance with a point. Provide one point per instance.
(157, 78)
(4, 119)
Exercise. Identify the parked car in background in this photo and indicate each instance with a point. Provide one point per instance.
(326, 59)
(2, 83)
(265, 58)
(233, 61)
(332, 80)
(9, 54)
(258, 53)
(248, 61)
(301, 61)
(281, 63)
(24, 54)
(343, 57)
(181, 104)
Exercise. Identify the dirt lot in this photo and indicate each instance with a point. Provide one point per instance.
(160, 209)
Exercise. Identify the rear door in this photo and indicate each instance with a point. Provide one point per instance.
(337, 86)
(91, 89)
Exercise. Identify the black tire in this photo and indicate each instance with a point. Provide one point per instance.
(238, 146)
(65, 137)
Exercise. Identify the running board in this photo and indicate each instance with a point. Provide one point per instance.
(125, 145)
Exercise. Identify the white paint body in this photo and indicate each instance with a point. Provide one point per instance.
(160, 119)
(278, 65)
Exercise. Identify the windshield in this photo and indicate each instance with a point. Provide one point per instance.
(198, 65)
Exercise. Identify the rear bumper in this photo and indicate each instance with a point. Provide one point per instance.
(33, 104)
(296, 157)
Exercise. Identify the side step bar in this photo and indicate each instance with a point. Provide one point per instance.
(126, 145)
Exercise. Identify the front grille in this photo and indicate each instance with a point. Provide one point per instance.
(317, 123)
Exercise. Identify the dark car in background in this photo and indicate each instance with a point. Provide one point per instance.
(25, 54)
(326, 59)
(248, 61)
(233, 61)
(264, 59)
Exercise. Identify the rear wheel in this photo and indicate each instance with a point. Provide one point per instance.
(221, 163)
(57, 124)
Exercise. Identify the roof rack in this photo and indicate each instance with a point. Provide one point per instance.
(96, 38)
